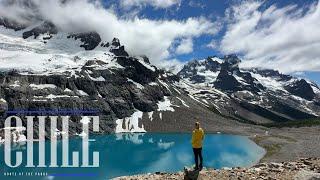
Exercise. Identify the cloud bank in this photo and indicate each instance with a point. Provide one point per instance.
(141, 36)
(286, 38)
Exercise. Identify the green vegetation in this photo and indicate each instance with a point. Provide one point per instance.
(270, 148)
(297, 123)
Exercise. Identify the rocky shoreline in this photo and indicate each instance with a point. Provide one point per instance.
(302, 169)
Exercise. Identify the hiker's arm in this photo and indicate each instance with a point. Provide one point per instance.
(192, 138)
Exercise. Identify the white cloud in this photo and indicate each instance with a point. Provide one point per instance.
(15, 11)
(141, 36)
(185, 46)
(158, 4)
(284, 38)
(172, 65)
(196, 4)
(213, 44)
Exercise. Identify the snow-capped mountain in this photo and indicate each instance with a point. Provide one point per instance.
(252, 95)
(44, 68)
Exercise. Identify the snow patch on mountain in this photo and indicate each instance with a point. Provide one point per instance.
(194, 98)
(220, 61)
(150, 115)
(210, 76)
(82, 93)
(183, 102)
(269, 82)
(100, 78)
(315, 89)
(43, 86)
(138, 85)
(51, 97)
(165, 85)
(165, 105)
(240, 80)
(57, 55)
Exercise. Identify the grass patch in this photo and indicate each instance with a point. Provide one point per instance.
(289, 139)
(271, 149)
(258, 139)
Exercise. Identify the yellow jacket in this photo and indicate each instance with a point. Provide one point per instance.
(197, 137)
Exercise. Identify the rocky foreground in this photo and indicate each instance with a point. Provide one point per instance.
(303, 169)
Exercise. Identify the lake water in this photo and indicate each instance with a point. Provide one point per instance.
(128, 154)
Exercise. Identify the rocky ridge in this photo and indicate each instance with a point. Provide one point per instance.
(255, 96)
(302, 169)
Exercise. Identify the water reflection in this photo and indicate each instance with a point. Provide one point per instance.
(127, 154)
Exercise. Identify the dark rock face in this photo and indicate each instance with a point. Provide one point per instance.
(212, 65)
(197, 78)
(45, 27)
(226, 81)
(231, 61)
(21, 3)
(90, 40)
(105, 44)
(302, 89)
(115, 42)
(117, 49)
(136, 71)
(191, 69)
(3, 106)
(146, 59)
(11, 24)
(227, 71)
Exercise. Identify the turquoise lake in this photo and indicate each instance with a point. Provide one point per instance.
(128, 154)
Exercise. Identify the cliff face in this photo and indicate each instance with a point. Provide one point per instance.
(115, 86)
(303, 169)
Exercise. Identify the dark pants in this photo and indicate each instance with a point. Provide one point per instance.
(197, 154)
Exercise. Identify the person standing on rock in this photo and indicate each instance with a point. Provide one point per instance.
(196, 141)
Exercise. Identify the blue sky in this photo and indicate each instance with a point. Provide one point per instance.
(298, 57)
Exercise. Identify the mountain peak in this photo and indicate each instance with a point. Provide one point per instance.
(231, 59)
(115, 42)
(117, 49)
